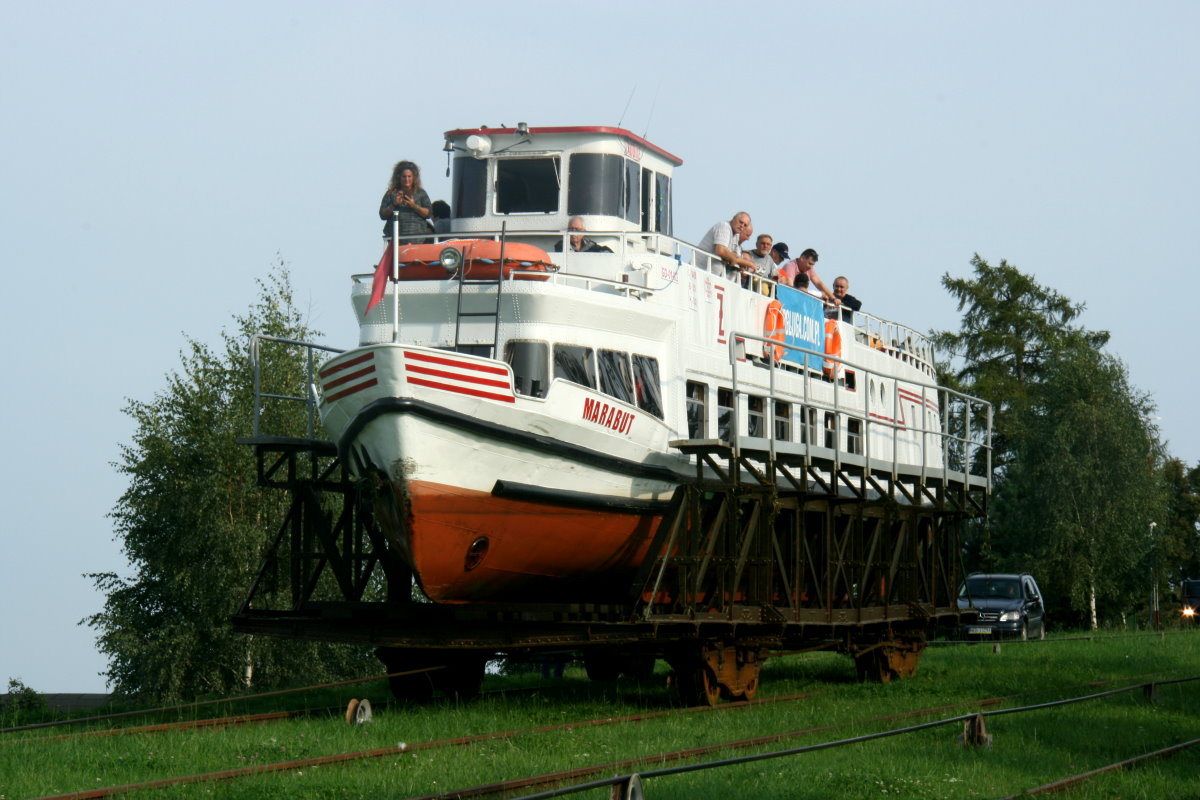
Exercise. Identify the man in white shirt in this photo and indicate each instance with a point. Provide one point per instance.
(725, 240)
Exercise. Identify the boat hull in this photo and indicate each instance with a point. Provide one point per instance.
(496, 501)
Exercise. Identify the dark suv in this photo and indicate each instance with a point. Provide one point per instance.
(1008, 605)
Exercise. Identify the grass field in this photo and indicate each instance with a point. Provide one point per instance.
(1030, 748)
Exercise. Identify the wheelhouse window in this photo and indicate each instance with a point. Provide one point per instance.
(529, 362)
(662, 204)
(646, 385)
(527, 185)
(697, 409)
(595, 185)
(575, 364)
(724, 413)
(615, 378)
(469, 189)
(633, 192)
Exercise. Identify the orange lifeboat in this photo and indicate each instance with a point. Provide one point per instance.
(482, 260)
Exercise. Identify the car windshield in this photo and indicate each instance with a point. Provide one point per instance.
(991, 587)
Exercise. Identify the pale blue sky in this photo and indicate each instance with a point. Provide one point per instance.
(157, 156)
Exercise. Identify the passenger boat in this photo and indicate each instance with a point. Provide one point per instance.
(528, 411)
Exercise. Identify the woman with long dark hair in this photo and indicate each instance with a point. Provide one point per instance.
(404, 194)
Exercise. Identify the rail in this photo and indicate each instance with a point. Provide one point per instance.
(309, 399)
(895, 338)
(955, 448)
(629, 781)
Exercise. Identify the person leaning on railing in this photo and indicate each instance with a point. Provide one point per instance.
(849, 302)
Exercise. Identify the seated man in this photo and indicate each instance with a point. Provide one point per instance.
(580, 243)
(725, 240)
(849, 302)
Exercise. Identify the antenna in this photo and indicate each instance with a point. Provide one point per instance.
(653, 103)
(627, 102)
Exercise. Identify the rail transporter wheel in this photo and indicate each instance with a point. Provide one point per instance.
(456, 673)
(709, 671)
(884, 659)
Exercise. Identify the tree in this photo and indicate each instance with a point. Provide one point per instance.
(1074, 463)
(193, 524)
(1010, 326)
(1082, 488)
(1180, 530)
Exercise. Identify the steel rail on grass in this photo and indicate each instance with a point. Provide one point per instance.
(198, 703)
(627, 779)
(336, 758)
(1075, 780)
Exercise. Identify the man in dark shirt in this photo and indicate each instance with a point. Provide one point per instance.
(849, 302)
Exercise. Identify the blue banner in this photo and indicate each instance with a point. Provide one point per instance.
(804, 325)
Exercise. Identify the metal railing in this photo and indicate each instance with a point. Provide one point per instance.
(946, 437)
(309, 398)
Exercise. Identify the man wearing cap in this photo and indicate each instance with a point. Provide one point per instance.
(725, 239)
(779, 257)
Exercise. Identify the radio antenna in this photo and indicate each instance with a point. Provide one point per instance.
(653, 103)
(627, 102)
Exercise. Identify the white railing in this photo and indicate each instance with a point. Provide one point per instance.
(958, 446)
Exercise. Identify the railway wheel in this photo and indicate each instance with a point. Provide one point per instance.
(711, 671)
(883, 660)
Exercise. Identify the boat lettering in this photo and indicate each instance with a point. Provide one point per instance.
(611, 417)
(804, 328)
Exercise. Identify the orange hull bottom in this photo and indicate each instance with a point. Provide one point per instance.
(469, 546)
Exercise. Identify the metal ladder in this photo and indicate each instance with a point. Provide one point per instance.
(493, 312)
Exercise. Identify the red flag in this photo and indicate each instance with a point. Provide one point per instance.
(382, 273)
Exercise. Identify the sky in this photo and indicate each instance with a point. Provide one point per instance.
(157, 158)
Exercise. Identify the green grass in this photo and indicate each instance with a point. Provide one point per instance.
(1030, 748)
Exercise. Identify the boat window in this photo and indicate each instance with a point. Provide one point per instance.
(697, 409)
(615, 378)
(529, 362)
(633, 192)
(662, 204)
(594, 185)
(830, 431)
(469, 190)
(575, 364)
(724, 413)
(756, 419)
(854, 436)
(526, 185)
(647, 200)
(783, 421)
(646, 385)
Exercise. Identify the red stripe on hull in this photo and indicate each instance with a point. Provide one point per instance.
(535, 552)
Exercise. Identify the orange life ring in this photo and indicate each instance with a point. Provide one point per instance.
(481, 260)
(833, 347)
(774, 328)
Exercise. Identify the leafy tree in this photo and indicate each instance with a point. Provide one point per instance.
(1010, 326)
(1077, 501)
(1180, 531)
(194, 524)
(1074, 460)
